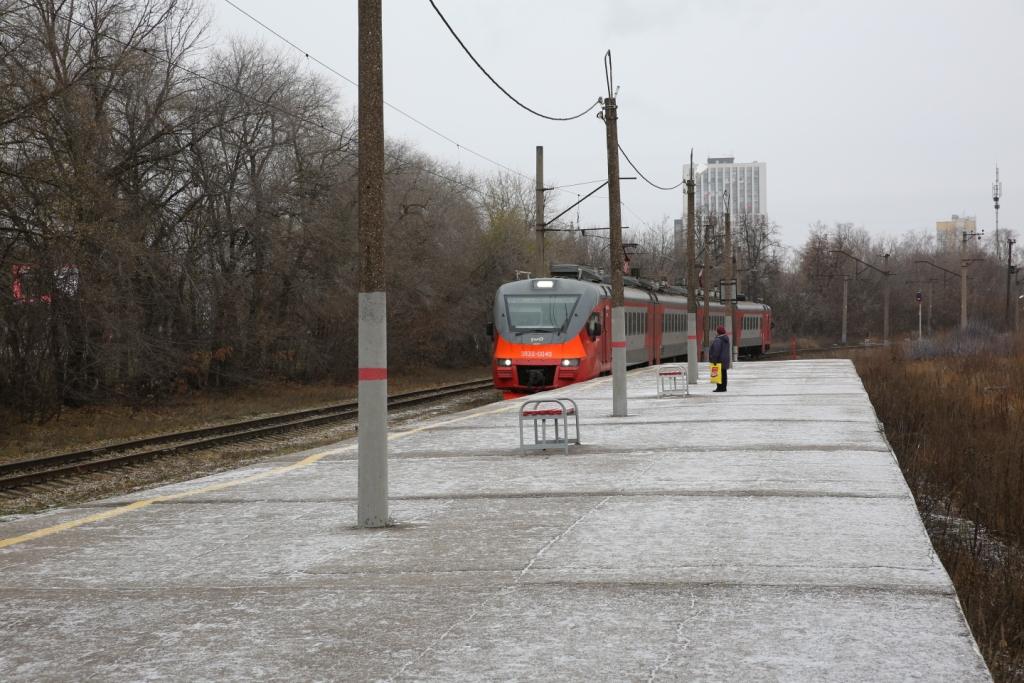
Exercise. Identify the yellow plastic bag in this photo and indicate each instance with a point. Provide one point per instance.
(716, 373)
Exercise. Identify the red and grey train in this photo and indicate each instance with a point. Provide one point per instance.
(550, 332)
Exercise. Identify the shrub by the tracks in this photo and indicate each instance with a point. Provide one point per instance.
(953, 411)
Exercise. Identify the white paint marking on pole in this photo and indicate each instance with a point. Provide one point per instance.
(619, 402)
(691, 347)
(732, 340)
(373, 410)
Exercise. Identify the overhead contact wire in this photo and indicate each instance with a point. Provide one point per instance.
(345, 78)
(646, 179)
(499, 86)
(309, 56)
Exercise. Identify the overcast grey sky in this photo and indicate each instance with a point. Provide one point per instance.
(888, 114)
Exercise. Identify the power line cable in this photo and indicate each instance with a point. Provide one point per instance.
(406, 114)
(636, 215)
(585, 182)
(498, 85)
(640, 173)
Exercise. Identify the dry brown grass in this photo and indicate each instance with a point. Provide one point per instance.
(954, 414)
(95, 425)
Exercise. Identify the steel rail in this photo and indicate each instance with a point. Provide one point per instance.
(37, 470)
(830, 349)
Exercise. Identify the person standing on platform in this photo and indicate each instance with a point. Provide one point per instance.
(721, 353)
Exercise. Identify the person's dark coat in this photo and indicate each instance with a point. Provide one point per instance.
(720, 351)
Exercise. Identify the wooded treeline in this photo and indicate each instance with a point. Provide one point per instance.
(176, 216)
(809, 293)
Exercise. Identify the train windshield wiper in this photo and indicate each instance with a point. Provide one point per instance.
(565, 323)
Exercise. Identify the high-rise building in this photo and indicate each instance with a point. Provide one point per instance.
(747, 184)
(947, 233)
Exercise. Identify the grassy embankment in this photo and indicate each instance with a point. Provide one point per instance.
(954, 414)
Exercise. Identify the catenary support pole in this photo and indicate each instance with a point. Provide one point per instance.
(372, 508)
(691, 281)
(1009, 275)
(963, 282)
(931, 298)
(997, 193)
(705, 327)
(1016, 314)
(730, 292)
(846, 299)
(919, 321)
(542, 266)
(885, 297)
(619, 400)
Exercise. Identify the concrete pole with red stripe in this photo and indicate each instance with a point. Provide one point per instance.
(691, 281)
(373, 340)
(619, 399)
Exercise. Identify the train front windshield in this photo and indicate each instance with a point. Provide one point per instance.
(532, 313)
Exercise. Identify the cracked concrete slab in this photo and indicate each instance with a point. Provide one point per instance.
(780, 544)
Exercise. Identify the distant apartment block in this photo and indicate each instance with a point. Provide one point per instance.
(747, 184)
(947, 233)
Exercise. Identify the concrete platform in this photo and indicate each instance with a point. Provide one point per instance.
(763, 534)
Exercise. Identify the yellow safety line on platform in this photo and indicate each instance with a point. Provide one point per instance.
(139, 504)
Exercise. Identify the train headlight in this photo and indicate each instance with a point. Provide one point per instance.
(503, 362)
(570, 362)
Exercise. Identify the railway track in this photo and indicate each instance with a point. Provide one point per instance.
(32, 471)
(786, 353)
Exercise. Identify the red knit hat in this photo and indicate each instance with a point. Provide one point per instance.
(721, 329)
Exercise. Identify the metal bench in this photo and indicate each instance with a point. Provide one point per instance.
(558, 412)
(672, 381)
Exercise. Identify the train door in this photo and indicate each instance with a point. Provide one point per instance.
(700, 330)
(654, 351)
(606, 338)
